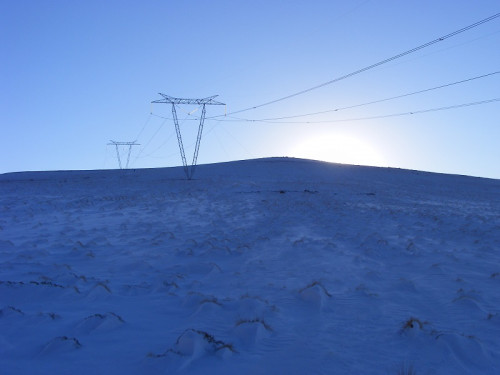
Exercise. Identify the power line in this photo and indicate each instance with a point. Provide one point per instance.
(155, 133)
(440, 39)
(236, 119)
(170, 118)
(144, 126)
(149, 141)
(160, 146)
(444, 49)
(377, 101)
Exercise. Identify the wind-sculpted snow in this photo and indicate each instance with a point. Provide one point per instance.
(272, 266)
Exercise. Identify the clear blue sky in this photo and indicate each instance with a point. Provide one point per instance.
(76, 74)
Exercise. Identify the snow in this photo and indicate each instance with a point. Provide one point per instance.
(282, 266)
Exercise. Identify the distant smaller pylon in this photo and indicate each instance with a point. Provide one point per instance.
(129, 144)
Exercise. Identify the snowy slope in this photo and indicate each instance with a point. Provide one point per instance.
(270, 266)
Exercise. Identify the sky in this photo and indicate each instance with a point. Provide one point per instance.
(75, 75)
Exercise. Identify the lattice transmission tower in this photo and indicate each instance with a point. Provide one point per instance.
(188, 169)
(129, 144)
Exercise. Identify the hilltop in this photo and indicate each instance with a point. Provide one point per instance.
(253, 267)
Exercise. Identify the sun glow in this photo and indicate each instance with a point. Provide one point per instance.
(339, 148)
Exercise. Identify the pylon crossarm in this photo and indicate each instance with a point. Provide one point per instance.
(114, 143)
(169, 99)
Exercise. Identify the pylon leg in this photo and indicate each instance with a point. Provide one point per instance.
(128, 156)
(118, 156)
(179, 141)
(198, 140)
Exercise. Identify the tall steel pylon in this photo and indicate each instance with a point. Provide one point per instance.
(188, 169)
(129, 144)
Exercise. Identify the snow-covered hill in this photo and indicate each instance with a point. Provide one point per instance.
(270, 266)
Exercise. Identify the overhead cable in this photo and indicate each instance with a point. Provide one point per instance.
(236, 119)
(440, 39)
(149, 141)
(143, 127)
(380, 100)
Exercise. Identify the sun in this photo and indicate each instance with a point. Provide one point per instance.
(338, 148)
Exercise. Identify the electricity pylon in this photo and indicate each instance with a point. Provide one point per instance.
(129, 144)
(188, 170)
